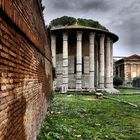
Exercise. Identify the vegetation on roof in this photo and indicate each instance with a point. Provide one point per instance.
(67, 21)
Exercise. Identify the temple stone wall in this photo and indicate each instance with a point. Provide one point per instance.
(83, 58)
(72, 71)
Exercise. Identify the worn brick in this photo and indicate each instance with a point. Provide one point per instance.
(24, 84)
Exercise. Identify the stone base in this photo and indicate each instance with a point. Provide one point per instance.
(108, 90)
(76, 90)
(63, 89)
(100, 90)
(104, 91)
(91, 90)
(111, 90)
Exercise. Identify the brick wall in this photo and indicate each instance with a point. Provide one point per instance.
(25, 70)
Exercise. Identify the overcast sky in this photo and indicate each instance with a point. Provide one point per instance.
(121, 17)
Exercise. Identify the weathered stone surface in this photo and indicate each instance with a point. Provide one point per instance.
(72, 81)
(127, 68)
(59, 64)
(85, 81)
(89, 58)
(71, 66)
(25, 70)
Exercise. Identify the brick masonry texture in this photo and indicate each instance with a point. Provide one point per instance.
(25, 69)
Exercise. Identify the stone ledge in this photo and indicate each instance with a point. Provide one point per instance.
(108, 90)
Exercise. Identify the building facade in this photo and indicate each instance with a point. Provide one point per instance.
(128, 68)
(83, 58)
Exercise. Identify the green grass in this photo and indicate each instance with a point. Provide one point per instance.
(129, 90)
(79, 117)
(129, 98)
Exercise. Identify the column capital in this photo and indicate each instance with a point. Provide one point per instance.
(79, 35)
(108, 40)
(53, 37)
(65, 36)
(102, 35)
(91, 35)
(111, 40)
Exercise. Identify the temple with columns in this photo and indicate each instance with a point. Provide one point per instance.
(83, 58)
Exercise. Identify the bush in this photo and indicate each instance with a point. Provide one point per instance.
(136, 82)
(63, 21)
(67, 21)
(117, 81)
(90, 23)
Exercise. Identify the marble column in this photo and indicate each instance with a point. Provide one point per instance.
(91, 61)
(53, 49)
(65, 62)
(108, 63)
(111, 63)
(125, 73)
(79, 62)
(137, 70)
(101, 63)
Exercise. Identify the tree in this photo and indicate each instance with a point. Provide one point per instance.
(136, 82)
(90, 23)
(117, 81)
(63, 21)
(66, 21)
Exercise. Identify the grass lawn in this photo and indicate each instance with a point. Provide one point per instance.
(77, 117)
(135, 99)
(129, 90)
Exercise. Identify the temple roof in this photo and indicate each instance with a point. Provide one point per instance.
(134, 57)
(82, 28)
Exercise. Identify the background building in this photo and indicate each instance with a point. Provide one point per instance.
(83, 58)
(128, 68)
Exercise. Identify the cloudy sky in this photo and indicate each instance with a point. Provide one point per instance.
(120, 16)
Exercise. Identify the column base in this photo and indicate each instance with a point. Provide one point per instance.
(54, 85)
(92, 90)
(108, 90)
(100, 90)
(63, 89)
(111, 90)
(78, 90)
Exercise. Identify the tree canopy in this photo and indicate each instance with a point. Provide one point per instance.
(63, 21)
(67, 21)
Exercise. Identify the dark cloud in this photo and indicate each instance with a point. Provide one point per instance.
(120, 17)
(81, 5)
(61, 5)
(96, 5)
